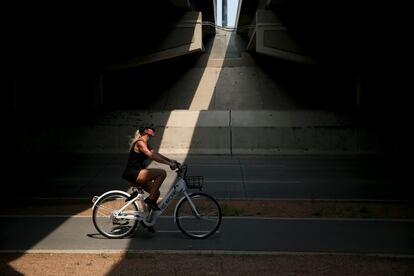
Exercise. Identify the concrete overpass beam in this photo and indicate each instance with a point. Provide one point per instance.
(184, 37)
(272, 38)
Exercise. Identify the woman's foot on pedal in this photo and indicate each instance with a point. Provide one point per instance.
(148, 228)
(152, 204)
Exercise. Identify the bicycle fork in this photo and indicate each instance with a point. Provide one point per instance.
(193, 207)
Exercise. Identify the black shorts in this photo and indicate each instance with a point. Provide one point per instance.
(131, 174)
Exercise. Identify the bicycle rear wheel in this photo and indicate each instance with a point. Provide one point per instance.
(104, 220)
(203, 224)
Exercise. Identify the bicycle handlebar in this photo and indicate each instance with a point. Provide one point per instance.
(181, 170)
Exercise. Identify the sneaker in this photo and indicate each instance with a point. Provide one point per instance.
(152, 204)
(148, 228)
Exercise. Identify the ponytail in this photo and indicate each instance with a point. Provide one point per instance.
(140, 132)
(132, 140)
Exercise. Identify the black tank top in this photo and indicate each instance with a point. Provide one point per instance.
(136, 160)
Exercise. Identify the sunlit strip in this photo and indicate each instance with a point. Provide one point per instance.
(203, 96)
(179, 129)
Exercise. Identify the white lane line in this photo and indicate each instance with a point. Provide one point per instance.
(234, 218)
(253, 181)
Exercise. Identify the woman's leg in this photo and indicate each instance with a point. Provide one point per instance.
(151, 180)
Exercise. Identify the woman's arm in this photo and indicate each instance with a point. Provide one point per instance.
(154, 155)
(162, 156)
(172, 163)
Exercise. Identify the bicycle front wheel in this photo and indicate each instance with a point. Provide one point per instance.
(104, 220)
(199, 218)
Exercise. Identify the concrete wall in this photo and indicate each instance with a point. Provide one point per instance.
(209, 132)
(227, 77)
(224, 101)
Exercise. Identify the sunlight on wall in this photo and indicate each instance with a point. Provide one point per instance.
(204, 93)
(178, 132)
(181, 125)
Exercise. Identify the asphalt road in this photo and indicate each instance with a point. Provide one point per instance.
(226, 177)
(235, 234)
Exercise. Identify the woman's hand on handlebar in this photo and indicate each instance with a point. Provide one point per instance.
(174, 165)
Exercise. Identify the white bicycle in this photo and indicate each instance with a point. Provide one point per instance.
(198, 215)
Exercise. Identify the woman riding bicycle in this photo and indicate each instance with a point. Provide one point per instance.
(136, 172)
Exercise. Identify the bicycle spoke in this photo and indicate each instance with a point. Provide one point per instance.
(102, 214)
(106, 223)
(208, 218)
(104, 208)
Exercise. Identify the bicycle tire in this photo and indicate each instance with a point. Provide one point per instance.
(117, 228)
(190, 224)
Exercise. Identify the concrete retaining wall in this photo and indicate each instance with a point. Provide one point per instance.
(208, 132)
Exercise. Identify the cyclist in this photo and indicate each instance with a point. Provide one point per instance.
(136, 172)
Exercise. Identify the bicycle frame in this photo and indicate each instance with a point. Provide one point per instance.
(150, 218)
(178, 188)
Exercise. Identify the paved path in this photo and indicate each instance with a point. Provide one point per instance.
(226, 177)
(236, 234)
